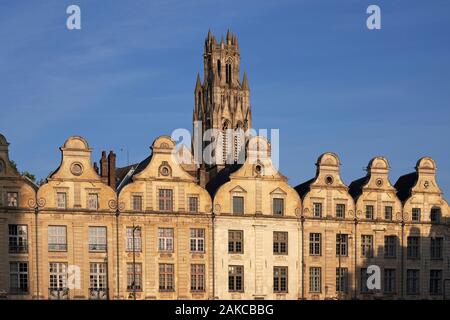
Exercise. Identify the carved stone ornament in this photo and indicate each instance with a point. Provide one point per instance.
(76, 168)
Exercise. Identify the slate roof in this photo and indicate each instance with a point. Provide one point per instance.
(303, 188)
(221, 178)
(124, 175)
(355, 187)
(404, 185)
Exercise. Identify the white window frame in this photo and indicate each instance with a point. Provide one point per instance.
(165, 239)
(197, 240)
(57, 237)
(97, 238)
(93, 201)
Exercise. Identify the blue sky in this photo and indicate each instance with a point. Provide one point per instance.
(315, 71)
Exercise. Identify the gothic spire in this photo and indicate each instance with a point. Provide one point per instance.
(245, 85)
(198, 85)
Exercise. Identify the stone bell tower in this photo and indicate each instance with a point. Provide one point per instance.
(222, 100)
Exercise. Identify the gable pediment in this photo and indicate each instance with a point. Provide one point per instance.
(238, 189)
(278, 191)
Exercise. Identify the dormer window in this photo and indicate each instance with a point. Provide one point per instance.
(278, 206)
(317, 210)
(369, 212)
(12, 199)
(61, 200)
(340, 210)
(238, 205)
(435, 215)
(93, 201)
(165, 199)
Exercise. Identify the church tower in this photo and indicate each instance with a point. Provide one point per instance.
(222, 100)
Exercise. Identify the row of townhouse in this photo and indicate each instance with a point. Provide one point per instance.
(150, 231)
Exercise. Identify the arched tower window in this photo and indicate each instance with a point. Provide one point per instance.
(225, 141)
(238, 141)
(219, 68)
(228, 73)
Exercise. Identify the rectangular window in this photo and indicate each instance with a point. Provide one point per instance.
(93, 201)
(412, 281)
(435, 215)
(58, 275)
(12, 199)
(341, 280)
(340, 211)
(197, 240)
(166, 271)
(366, 246)
(236, 278)
(435, 282)
(388, 213)
(197, 277)
(134, 277)
(18, 278)
(280, 279)
(137, 203)
(57, 238)
(390, 281)
(165, 239)
(98, 281)
(235, 241)
(165, 199)
(341, 245)
(193, 204)
(238, 205)
(315, 244)
(436, 248)
(315, 282)
(280, 242)
(413, 249)
(415, 214)
(137, 243)
(18, 238)
(363, 280)
(61, 200)
(369, 212)
(390, 246)
(317, 210)
(278, 206)
(97, 239)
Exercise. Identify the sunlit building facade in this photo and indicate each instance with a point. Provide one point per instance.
(231, 229)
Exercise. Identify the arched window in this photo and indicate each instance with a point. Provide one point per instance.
(228, 73)
(435, 215)
(219, 68)
(225, 142)
(238, 141)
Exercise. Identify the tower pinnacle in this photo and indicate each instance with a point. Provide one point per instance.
(222, 102)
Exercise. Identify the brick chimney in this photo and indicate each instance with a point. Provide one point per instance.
(112, 170)
(104, 167)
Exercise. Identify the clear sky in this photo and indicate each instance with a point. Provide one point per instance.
(315, 72)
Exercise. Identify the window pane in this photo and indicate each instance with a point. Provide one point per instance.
(57, 238)
(278, 206)
(238, 205)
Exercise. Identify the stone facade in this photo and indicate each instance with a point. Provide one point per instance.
(187, 217)
(159, 229)
(260, 222)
